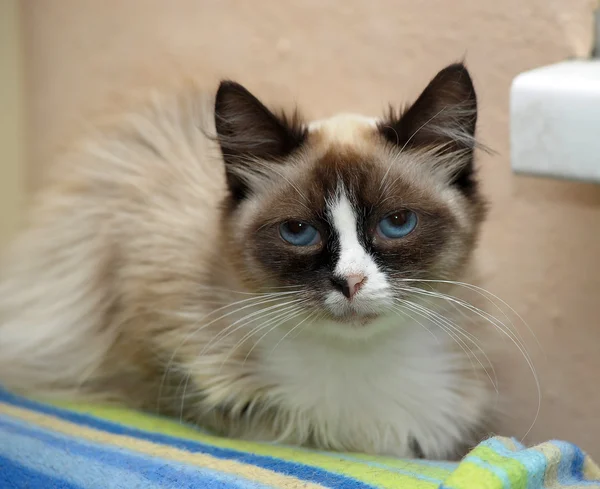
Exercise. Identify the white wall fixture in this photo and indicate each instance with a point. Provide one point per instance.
(555, 121)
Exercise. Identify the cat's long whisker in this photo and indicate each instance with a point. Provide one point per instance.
(459, 341)
(257, 315)
(457, 332)
(187, 377)
(255, 297)
(218, 289)
(285, 287)
(470, 337)
(270, 318)
(483, 314)
(253, 302)
(501, 328)
(286, 319)
(212, 341)
(317, 317)
(297, 287)
(281, 320)
(290, 331)
(399, 310)
(288, 316)
(289, 313)
(464, 304)
(491, 297)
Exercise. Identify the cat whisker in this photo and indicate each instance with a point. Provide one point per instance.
(254, 297)
(481, 313)
(399, 310)
(280, 319)
(256, 315)
(270, 317)
(491, 297)
(499, 326)
(250, 302)
(286, 319)
(468, 352)
(456, 333)
(312, 314)
(297, 288)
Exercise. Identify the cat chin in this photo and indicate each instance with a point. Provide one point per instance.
(356, 327)
(356, 320)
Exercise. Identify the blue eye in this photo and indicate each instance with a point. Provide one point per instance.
(299, 233)
(397, 225)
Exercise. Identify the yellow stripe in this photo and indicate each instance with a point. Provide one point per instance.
(553, 455)
(515, 471)
(249, 472)
(508, 443)
(469, 475)
(357, 469)
(590, 470)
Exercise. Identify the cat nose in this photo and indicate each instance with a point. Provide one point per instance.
(350, 284)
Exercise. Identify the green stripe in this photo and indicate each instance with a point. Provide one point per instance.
(515, 470)
(360, 467)
(470, 476)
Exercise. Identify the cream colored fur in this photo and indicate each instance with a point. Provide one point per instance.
(122, 273)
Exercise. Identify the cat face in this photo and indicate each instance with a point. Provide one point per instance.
(351, 212)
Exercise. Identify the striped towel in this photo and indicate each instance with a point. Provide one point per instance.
(83, 447)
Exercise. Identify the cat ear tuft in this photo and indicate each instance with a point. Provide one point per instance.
(443, 119)
(250, 134)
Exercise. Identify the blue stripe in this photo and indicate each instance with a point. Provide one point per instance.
(518, 444)
(89, 465)
(577, 466)
(569, 470)
(388, 468)
(15, 476)
(569, 456)
(356, 459)
(304, 472)
(449, 466)
(535, 462)
(566, 459)
(498, 447)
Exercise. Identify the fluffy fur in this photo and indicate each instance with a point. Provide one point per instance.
(153, 273)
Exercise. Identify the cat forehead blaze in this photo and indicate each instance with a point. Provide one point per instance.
(378, 201)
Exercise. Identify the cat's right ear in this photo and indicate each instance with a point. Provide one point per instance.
(251, 136)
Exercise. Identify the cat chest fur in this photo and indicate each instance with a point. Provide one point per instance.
(376, 397)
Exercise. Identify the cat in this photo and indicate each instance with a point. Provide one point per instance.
(263, 277)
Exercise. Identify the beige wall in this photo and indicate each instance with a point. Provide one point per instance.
(11, 118)
(540, 247)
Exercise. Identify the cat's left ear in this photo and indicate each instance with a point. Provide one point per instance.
(443, 118)
(250, 135)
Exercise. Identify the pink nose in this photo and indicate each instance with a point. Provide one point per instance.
(349, 285)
